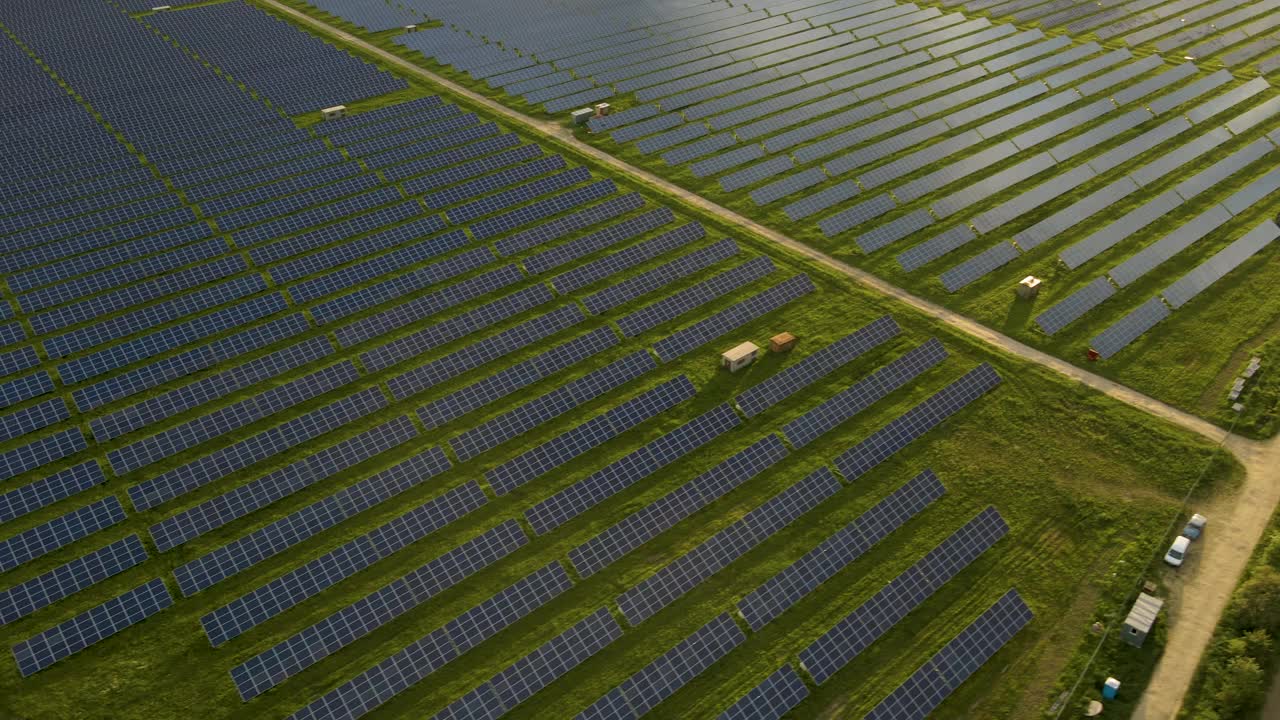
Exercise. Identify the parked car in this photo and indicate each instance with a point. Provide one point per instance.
(1178, 551)
(1195, 526)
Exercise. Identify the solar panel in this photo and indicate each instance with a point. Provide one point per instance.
(59, 532)
(605, 238)
(774, 697)
(694, 336)
(1223, 169)
(1128, 224)
(661, 678)
(699, 148)
(959, 659)
(521, 680)
(691, 298)
(901, 431)
(403, 669)
(266, 601)
(717, 552)
(662, 514)
(199, 358)
(309, 520)
(40, 651)
(512, 379)
(786, 588)
(546, 408)
(1075, 305)
(631, 469)
(1229, 258)
(935, 247)
(477, 354)
(177, 438)
(858, 630)
(42, 493)
(789, 185)
(570, 444)
(884, 235)
(501, 201)
(339, 629)
(823, 199)
(861, 395)
(979, 266)
(819, 364)
(856, 215)
(65, 580)
(1150, 257)
(493, 226)
(260, 492)
(268, 443)
(1128, 328)
(628, 257)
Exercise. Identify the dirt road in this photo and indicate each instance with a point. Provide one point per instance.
(1238, 521)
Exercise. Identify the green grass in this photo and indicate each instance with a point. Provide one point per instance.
(1186, 361)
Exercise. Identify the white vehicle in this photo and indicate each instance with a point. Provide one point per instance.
(1178, 551)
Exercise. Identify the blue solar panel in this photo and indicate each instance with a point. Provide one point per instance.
(632, 468)
(42, 493)
(424, 656)
(63, 581)
(39, 652)
(771, 699)
(694, 336)
(41, 452)
(817, 365)
(245, 453)
(199, 358)
(245, 499)
(626, 258)
(570, 444)
(901, 431)
(320, 640)
(858, 630)
(691, 298)
(662, 514)
(297, 526)
(717, 552)
(546, 408)
(59, 532)
(780, 592)
(560, 227)
(286, 591)
(959, 659)
(485, 351)
(861, 395)
(661, 678)
(603, 238)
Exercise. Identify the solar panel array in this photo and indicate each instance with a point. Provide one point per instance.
(773, 698)
(956, 662)
(661, 678)
(862, 394)
(858, 630)
(540, 668)
(65, 580)
(704, 331)
(679, 577)
(813, 368)
(782, 591)
(92, 626)
(282, 593)
(590, 434)
(289, 657)
(424, 656)
(900, 432)
(644, 461)
(60, 532)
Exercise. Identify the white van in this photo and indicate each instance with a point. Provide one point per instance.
(1178, 551)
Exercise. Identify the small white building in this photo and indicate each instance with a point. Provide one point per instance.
(335, 112)
(1142, 617)
(739, 357)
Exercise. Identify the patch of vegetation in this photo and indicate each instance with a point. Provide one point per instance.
(1244, 655)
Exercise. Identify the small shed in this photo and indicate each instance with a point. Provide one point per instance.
(782, 342)
(333, 113)
(582, 115)
(740, 356)
(1141, 619)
